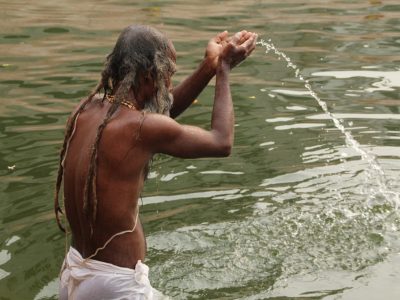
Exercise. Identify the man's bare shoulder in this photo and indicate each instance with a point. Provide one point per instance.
(154, 119)
(159, 126)
(124, 123)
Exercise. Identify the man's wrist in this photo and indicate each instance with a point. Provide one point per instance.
(208, 66)
(223, 65)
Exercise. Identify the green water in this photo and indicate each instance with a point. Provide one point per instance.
(292, 214)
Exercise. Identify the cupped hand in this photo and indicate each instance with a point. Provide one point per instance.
(238, 48)
(215, 47)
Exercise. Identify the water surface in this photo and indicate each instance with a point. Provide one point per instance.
(294, 213)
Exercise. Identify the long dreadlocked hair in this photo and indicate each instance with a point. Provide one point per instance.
(139, 51)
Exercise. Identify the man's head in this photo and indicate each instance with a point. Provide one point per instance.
(142, 62)
(140, 66)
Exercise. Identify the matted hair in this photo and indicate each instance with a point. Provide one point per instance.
(139, 51)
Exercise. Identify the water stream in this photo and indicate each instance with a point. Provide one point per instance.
(374, 170)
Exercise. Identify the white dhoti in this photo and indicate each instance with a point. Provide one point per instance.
(92, 279)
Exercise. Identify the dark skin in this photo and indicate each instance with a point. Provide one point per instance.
(131, 139)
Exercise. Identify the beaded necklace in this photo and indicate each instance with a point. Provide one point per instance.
(111, 99)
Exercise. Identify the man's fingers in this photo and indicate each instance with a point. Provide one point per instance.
(243, 37)
(239, 46)
(237, 37)
(221, 36)
(250, 43)
(247, 35)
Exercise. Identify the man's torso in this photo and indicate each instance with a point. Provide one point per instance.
(121, 165)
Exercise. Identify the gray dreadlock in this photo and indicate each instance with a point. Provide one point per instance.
(139, 50)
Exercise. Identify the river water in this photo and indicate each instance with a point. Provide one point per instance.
(294, 213)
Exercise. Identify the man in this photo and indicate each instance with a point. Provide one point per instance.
(109, 142)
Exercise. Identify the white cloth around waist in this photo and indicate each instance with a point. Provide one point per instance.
(83, 279)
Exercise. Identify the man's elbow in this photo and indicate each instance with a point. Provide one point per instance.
(222, 145)
(225, 150)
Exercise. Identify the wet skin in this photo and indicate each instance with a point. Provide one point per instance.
(130, 140)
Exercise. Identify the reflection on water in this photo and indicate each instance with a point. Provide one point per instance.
(374, 172)
(388, 81)
(292, 213)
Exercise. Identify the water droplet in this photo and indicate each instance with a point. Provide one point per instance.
(374, 171)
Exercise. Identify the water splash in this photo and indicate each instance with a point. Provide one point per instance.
(374, 170)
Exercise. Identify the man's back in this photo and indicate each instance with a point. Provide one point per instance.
(120, 176)
(108, 145)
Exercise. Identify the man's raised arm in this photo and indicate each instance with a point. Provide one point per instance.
(188, 90)
(161, 134)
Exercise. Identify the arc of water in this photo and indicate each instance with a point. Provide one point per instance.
(375, 168)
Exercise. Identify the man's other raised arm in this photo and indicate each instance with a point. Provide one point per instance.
(188, 90)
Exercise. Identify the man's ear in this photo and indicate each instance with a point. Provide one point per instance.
(147, 86)
(144, 78)
(147, 80)
(148, 76)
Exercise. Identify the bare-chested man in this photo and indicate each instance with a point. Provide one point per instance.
(110, 140)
